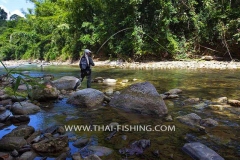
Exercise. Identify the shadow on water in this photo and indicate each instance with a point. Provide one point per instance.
(203, 84)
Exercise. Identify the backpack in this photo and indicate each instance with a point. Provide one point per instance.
(83, 63)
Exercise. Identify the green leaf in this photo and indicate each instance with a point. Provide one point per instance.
(18, 80)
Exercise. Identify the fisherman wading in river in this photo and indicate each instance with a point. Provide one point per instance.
(85, 64)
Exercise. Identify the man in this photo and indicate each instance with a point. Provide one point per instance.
(85, 64)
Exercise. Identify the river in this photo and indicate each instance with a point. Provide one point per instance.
(205, 84)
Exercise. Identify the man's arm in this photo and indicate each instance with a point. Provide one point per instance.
(91, 62)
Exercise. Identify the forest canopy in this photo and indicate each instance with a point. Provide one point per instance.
(126, 29)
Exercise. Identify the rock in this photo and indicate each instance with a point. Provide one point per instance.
(156, 153)
(32, 137)
(2, 125)
(168, 118)
(140, 98)
(5, 156)
(29, 155)
(87, 98)
(109, 91)
(109, 82)
(107, 99)
(25, 72)
(92, 157)
(2, 109)
(81, 142)
(11, 143)
(191, 119)
(124, 137)
(234, 103)
(207, 58)
(98, 79)
(6, 101)
(221, 100)
(219, 106)
(124, 80)
(4, 115)
(51, 145)
(199, 151)
(17, 98)
(14, 153)
(100, 150)
(47, 77)
(62, 156)
(200, 106)
(208, 122)
(67, 83)
(61, 130)
(24, 108)
(191, 101)
(171, 96)
(76, 156)
(143, 143)
(113, 125)
(163, 96)
(174, 91)
(21, 131)
(19, 118)
(44, 93)
(24, 87)
(136, 147)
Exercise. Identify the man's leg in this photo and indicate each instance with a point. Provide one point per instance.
(89, 78)
(82, 75)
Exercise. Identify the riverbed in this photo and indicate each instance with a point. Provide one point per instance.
(205, 84)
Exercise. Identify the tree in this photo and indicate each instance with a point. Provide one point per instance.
(3, 14)
(15, 17)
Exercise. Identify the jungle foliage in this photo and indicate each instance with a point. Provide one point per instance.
(129, 29)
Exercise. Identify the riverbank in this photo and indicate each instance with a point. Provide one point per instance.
(191, 64)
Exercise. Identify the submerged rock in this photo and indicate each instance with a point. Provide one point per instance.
(100, 150)
(208, 122)
(136, 147)
(199, 151)
(193, 120)
(81, 142)
(140, 98)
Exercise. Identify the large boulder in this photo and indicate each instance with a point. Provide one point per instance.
(21, 131)
(141, 98)
(24, 108)
(67, 83)
(87, 98)
(44, 92)
(197, 150)
(11, 143)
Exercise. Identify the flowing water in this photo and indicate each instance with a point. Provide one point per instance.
(203, 84)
